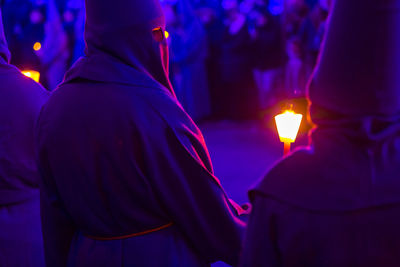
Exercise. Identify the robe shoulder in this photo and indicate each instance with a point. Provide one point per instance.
(152, 111)
(317, 181)
(23, 89)
(21, 100)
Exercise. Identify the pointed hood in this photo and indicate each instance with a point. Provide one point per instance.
(4, 52)
(358, 73)
(120, 44)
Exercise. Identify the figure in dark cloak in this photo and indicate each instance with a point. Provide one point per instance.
(20, 103)
(337, 202)
(126, 176)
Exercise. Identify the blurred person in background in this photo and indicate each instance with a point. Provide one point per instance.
(295, 13)
(268, 52)
(337, 202)
(54, 54)
(189, 48)
(311, 34)
(73, 18)
(20, 102)
(237, 94)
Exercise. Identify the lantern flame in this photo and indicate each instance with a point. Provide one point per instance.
(32, 74)
(288, 125)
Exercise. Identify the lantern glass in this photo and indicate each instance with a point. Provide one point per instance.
(32, 74)
(288, 125)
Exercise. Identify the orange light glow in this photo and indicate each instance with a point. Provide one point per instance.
(32, 74)
(288, 124)
(37, 46)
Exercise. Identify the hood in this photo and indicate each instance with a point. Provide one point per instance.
(120, 43)
(4, 52)
(354, 160)
(358, 70)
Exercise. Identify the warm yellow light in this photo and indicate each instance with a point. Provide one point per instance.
(37, 46)
(288, 124)
(32, 74)
(166, 34)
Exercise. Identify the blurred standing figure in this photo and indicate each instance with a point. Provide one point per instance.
(237, 96)
(73, 17)
(54, 55)
(311, 34)
(126, 176)
(189, 52)
(294, 16)
(20, 103)
(267, 52)
(337, 202)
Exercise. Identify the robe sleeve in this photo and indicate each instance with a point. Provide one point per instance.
(260, 243)
(183, 179)
(57, 226)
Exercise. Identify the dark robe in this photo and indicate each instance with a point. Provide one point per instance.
(20, 102)
(127, 178)
(337, 202)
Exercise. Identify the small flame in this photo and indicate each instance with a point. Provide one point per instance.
(166, 34)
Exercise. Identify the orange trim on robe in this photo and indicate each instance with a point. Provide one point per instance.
(131, 235)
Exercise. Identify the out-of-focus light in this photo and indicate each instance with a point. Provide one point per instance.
(37, 46)
(288, 125)
(32, 74)
(166, 34)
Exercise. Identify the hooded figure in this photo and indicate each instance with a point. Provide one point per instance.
(337, 202)
(127, 178)
(20, 102)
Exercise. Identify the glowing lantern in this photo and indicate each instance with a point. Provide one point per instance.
(32, 74)
(37, 46)
(288, 124)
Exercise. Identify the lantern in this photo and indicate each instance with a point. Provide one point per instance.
(37, 46)
(288, 124)
(32, 74)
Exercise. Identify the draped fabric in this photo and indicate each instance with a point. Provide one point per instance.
(118, 155)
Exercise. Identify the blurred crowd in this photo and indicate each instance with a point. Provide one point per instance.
(229, 59)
